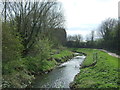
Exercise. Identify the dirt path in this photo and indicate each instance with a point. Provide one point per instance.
(110, 53)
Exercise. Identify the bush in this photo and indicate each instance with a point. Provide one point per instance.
(36, 61)
(11, 43)
(41, 49)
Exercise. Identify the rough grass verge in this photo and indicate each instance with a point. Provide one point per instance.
(103, 75)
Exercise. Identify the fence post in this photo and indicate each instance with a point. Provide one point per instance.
(93, 56)
(96, 56)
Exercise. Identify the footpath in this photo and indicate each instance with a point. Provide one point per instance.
(110, 53)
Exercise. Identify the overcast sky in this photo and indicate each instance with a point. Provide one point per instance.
(82, 16)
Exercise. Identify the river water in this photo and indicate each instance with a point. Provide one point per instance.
(60, 77)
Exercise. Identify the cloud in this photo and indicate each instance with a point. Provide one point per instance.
(87, 14)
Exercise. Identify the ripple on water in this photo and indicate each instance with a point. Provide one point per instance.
(60, 77)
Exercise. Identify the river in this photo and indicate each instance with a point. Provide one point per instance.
(61, 76)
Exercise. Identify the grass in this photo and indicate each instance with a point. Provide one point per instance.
(62, 54)
(103, 75)
(90, 53)
(20, 73)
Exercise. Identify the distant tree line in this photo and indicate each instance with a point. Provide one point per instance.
(75, 41)
(108, 33)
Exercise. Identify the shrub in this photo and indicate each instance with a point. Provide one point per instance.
(11, 43)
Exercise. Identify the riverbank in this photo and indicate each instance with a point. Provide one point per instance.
(21, 73)
(110, 53)
(103, 74)
(61, 76)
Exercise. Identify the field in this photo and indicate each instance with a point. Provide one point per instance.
(104, 74)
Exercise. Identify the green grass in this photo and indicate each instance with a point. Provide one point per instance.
(103, 75)
(90, 52)
(62, 54)
(18, 73)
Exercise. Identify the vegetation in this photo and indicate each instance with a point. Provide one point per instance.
(20, 73)
(33, 20)
(98, 70)
(102, 71)
(90, 54)
(74, 41)
(63, 56)
(102, 75)
(108, 33)
(28, 45)
(33, 39)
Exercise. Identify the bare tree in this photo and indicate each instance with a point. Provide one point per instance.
(33, 18)
(77, 38)
(106, 27)
(69, 38)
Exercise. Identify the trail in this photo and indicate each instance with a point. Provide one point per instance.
(110, 53)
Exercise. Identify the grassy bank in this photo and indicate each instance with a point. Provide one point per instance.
(104, 74)
(20, 73)
(62, 56)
